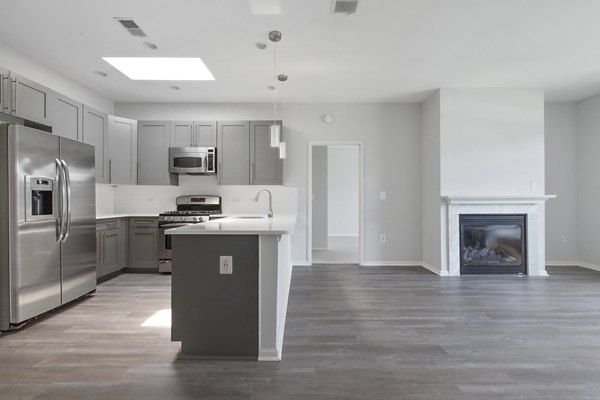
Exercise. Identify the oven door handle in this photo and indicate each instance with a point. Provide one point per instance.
(169, 226)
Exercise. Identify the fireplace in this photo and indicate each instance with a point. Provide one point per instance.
(493, 244)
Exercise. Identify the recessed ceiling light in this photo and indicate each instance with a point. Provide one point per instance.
(161, 68)
(151, 46)
(100, 73)
(174, 87)
(261, 45)
(271, 87)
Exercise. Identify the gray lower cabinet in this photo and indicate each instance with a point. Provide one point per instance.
(266, 168)
(233, 153)
(122, 150)
(153, 154)
(193, 134)
(95, 132)
(111, 244)
(67, 117)
(28, 99)
(143, 243)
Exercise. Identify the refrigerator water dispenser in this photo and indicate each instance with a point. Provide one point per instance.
(39, 198)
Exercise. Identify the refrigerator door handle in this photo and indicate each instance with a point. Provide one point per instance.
(68, 190)
(61, 201)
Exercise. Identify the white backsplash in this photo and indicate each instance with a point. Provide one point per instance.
(105, 199)
(156, 199)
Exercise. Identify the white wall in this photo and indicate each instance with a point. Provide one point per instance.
(319, 202)
(12, 59)
(343, 190)
(562, 180)
(392, 137)
(492, 142)
(432, 202)
(588, 147)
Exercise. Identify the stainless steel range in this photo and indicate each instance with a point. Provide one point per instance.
(190, 210)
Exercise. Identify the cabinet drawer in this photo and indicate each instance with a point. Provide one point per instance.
(143, 222)
(107, 224)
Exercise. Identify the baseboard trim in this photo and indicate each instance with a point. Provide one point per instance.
(320, 248)
(300, 264)
(392, 264)
(343, 235)
(573, 264)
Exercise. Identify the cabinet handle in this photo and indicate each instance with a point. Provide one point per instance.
(109, 171)
(138, 173)
(220, 173)
(15, 94)
(252, 173)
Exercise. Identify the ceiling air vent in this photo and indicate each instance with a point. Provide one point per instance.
(344, 6)
(131, 26)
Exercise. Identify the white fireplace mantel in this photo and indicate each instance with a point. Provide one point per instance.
(497, 199)
(532, 206)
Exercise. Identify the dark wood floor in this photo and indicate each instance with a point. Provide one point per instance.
(352, 333)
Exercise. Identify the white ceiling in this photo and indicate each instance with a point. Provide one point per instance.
(389, 51)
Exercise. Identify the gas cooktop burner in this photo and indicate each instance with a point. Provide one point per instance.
(205, 212)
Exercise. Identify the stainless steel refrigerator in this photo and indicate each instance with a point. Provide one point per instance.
(47, 222)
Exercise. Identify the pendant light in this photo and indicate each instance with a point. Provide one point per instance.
(282, 147)
(275, 36)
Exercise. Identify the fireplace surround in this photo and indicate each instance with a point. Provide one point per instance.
(531, 206)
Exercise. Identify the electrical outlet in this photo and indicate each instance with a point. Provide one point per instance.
(563, 239)
(533, 185)
(226, 265)
(382, 195)
(382, 238)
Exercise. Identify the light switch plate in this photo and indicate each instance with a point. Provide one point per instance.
(382, 195)
(226, 265)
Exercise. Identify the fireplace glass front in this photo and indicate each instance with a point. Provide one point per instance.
(493, 244)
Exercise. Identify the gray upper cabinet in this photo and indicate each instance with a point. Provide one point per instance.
(193, 134)
(153, 153)
(266, 168)
(122, 150)
(4, 98)
(182, 134)
(233, 153)
(205, 134)
(95, 132)
(67, 117)
(29, 99)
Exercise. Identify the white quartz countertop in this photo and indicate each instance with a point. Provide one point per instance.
(246, 224)
(127, 215)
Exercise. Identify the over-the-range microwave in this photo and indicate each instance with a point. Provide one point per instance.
(193, 160)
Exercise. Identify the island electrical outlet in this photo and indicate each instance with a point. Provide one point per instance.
(226, 265)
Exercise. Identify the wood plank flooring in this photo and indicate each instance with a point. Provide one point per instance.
(351, 333)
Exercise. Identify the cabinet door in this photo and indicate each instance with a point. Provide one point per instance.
(4, 97)
(266, 168)
(67, 117)
(143, 248)
(153, 154)
(110, 247)
(29, 99)
(122, 150)
(99, 253)
(182, 134)
(95, 132)
(233, 153)
(205, 134)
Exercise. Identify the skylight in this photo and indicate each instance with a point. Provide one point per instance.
(161, 68)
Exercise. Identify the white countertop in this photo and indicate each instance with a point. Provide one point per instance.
(127, 215)
(246, 224)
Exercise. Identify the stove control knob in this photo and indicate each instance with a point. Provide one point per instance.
(195, 219)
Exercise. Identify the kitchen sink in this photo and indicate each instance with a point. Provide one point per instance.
(250, 217)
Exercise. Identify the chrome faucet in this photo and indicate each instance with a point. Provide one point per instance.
(270, 201)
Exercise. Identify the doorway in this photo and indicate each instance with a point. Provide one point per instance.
(335, 203)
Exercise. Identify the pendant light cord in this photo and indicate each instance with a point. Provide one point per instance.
(275, 74)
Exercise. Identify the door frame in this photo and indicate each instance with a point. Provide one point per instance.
(361, 190)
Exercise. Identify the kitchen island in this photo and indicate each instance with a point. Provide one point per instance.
(231, 308)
